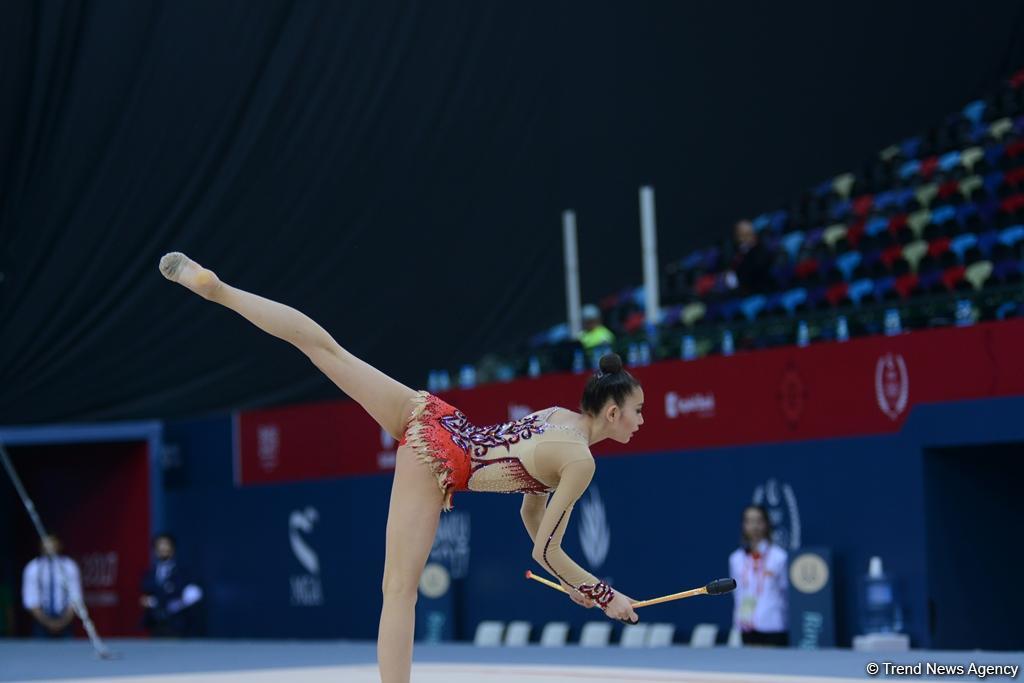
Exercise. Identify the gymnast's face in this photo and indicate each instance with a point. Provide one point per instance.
(626, 420)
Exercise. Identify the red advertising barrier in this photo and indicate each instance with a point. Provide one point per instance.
(860, 387)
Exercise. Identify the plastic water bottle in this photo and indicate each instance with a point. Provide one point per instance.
(645, 353)
(964, 313)
(878, 600)
(842, 329)
(728, 345)
(688, 347)
(633, 355)
(534, 368)
(892, 322)
(579, 363)
(467, 377)
(803, 334)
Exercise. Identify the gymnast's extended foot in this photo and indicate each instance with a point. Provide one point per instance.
(179, 268)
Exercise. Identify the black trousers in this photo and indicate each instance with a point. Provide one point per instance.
(773, 639)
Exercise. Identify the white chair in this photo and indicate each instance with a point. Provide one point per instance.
(704, 635)
(735, 638)
(596, 634)
(488, 633)
(634, 635)
(517, 634)
(661, 635)
(555, 634)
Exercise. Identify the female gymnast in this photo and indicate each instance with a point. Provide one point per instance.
(545, 456)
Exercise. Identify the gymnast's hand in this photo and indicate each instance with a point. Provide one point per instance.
(621, 608)
(577, 597)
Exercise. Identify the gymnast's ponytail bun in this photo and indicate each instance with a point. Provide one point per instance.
(611, 381)
(611, 363)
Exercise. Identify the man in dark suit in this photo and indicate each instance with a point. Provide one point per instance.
(169, 596)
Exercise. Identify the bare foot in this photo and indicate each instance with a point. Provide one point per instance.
(179, 268)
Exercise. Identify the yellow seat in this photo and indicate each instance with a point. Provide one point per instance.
(970, 184)
(978, 273)
(971, 156)
(843, 183)
(1000, 127)
(914, 252)
(693, 313)
(833, 234)
(926, 193)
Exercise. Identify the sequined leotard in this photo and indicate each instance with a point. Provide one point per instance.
(529, 456)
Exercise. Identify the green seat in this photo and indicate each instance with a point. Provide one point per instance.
(926, 193)
(978, 273)
(971, 156)
(1000, 127)
(917, 220)
(970, 184)
(842, 184)
(693, 313)
(833, 234)
(914, 252)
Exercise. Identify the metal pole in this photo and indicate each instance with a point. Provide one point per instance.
(572, 273)
(649, 239)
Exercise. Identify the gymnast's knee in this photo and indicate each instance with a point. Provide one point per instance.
(398, 587)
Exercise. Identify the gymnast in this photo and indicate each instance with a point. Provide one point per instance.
(545, 456)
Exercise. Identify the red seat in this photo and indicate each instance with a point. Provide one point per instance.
(897, 223)
(1013, 203)
(928, 166)
(938, 246)
(949, 188)
(862, 204)
(1015, 148)
(805, 268)
(891, 254)
(953, 276)
(854, 233)
(905, 285)
(634, 322)
(837, 292)
(704, 284)
(1014, 177)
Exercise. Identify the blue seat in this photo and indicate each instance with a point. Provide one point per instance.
(793, 298)
(908, 169)
(949, 161)
(992, 181)
(761, 222)
(693, 260)
(859, 289)
(753, 305)
(840, 210)
(1011, 235)
(884, 200)
(993, 153)
(979, 132)
(558, 333)
(847, 262)
(883, 286)
(792, 242)
(962, 243)
(823, 189)
(965, 211)
(779, 220)
(876, 225)
(910, 147)
(729, 309)
(974, 111)
(987, 240)
(941, 214)
(904, 196)
(773, 302)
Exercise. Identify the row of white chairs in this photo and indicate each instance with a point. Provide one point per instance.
(594, 634)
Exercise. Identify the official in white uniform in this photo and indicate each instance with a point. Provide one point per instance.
(759, 567)
(48, 596)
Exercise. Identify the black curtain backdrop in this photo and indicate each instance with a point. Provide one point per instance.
(397, 170)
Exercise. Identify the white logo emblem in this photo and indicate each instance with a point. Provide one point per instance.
(808, 573)
(780, 502)
(701, 405)
(434, 580)
(595, 536)
(307, 591)
(892, 385)
(268, 445)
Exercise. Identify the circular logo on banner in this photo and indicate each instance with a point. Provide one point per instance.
(792, 395)
(808, 573)
(892, 385)
(434, 580)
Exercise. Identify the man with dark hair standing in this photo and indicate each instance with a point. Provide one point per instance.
(168, 595)
(50, 584)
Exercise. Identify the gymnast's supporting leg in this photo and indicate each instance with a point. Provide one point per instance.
(387, 401)
(413, 513)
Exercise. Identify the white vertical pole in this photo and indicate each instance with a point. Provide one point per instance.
(649, 239)
(572, 273)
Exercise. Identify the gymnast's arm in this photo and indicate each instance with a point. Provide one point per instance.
(532, 512)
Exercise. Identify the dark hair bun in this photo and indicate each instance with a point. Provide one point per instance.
(611, 363)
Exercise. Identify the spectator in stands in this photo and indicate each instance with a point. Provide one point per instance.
(169, 597)
(50, 584)
(594, 332)
(751, 262)
(759, 567)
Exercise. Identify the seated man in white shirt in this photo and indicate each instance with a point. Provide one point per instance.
(49, 586)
